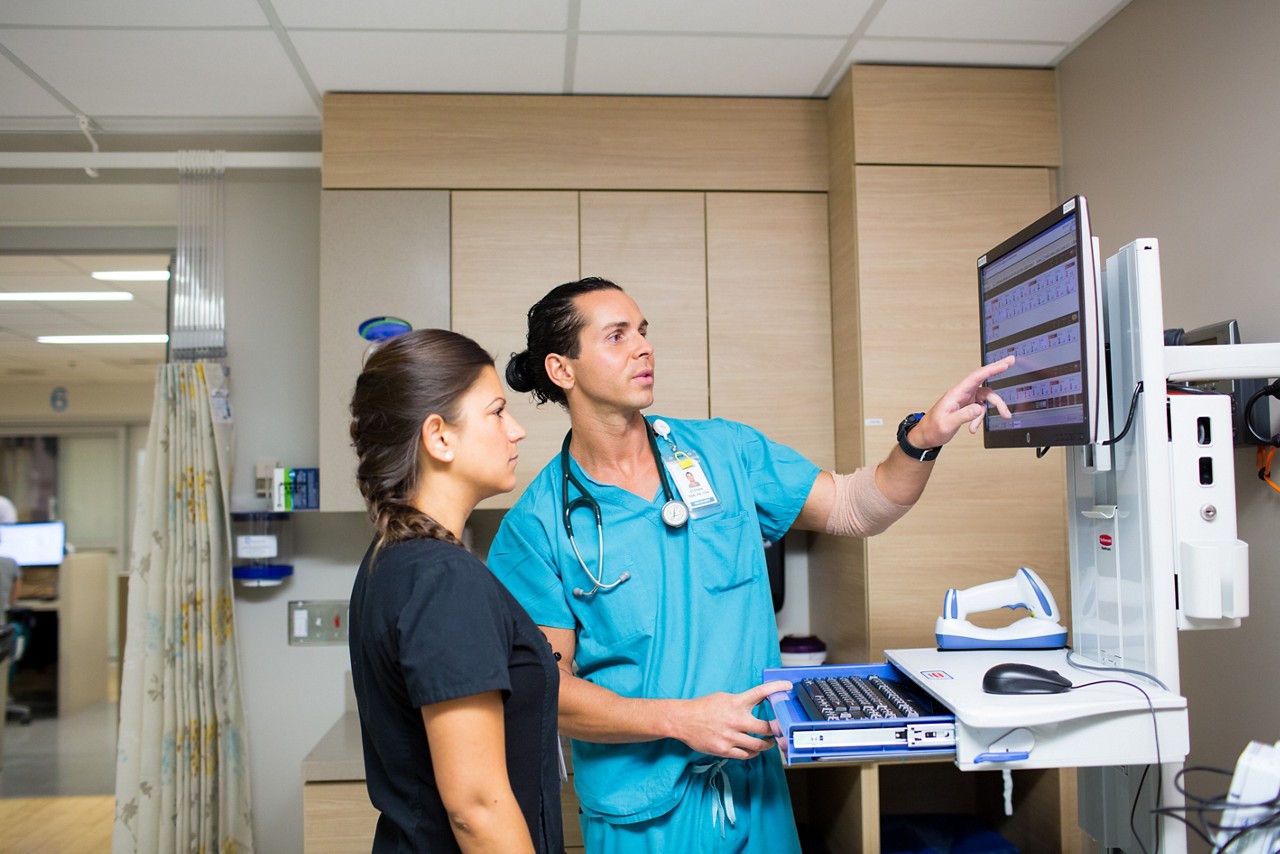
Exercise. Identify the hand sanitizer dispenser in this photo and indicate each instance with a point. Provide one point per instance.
(263, 548)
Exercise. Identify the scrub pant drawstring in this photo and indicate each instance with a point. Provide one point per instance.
(722, 812)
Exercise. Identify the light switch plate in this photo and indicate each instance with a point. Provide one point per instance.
(314, 622)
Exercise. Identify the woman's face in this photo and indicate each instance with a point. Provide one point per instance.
(485, 437)
(615, 360)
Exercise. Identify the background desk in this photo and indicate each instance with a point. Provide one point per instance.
(81, 608)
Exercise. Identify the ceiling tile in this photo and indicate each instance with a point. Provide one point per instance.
(701, 65)
(133, 13)
(904, 52)
(544, 15)
(165, 72)
(22, 96)
(815, 17)
(433, 62)
(991, 20)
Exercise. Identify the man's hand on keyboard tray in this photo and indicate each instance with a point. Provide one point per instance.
(721, 724)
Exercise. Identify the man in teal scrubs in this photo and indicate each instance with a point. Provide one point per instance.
(663, 629)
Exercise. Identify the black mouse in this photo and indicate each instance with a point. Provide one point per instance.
(1016, 678)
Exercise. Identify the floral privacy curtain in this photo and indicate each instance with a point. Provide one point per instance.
(182, 776)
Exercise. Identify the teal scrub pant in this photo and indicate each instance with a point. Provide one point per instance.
(762, 822)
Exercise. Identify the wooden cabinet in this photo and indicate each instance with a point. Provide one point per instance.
(654, 246)
(382, 252)
(769, 316)
(510, 248)
(337, 817)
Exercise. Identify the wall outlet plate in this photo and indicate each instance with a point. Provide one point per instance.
(315, 622)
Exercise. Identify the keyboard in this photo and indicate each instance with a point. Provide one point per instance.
(844, 698)
(856, 713)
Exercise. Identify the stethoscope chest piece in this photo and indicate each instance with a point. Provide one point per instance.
(675, 514)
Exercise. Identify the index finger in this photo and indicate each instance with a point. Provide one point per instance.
(988, 371)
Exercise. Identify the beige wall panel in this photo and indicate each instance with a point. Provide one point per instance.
(769, 316)
(920, 231)
(583, 142)
(842, 225)
(839, 611)
(955, 116)
(654, 246)
(509, 249)
(382, 252)
(337, 818)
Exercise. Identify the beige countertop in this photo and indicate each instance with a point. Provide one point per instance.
(338, 756)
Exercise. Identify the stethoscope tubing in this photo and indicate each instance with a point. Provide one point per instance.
(586, 499)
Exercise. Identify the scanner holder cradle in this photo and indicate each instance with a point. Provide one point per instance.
(1041, 630)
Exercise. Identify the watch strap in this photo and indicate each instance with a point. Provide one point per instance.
(924, 455)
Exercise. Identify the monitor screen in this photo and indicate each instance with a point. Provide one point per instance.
(1039, 296)
(34, 543)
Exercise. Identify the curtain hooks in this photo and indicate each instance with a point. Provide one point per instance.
(84, 129)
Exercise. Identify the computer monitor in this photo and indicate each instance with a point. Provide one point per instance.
(34, 543)
(1039, 296)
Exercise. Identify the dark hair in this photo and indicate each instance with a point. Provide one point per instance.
(404, 380)
(554, 327)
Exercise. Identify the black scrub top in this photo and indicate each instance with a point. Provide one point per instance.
(430, 623)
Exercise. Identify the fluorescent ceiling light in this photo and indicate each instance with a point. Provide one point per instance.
(66, 296)
(133, 276)
(103, 339)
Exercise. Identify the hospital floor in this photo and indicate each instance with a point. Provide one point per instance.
(57, 782)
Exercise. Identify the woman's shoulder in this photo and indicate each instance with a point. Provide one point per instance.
(425, 560)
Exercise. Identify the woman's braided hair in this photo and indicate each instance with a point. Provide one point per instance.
(404, 380)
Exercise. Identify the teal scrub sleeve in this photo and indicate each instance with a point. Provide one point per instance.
(781, 479)
(521, 557)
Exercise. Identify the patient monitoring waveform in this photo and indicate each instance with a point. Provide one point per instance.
(1036, 291)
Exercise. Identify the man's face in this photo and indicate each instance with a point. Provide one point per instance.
(614, 367)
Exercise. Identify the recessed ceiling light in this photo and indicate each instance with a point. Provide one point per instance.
(103, 339)
(66, 296)
(132, 276)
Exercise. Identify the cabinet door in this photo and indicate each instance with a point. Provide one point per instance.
(769, 316)
(382, 252)
(509, 249)
(985, 513)
(654, 246)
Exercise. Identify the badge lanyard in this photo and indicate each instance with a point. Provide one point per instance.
(688, 475)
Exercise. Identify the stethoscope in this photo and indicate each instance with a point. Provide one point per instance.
(675, 513)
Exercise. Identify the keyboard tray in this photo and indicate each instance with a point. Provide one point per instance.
(804, 739)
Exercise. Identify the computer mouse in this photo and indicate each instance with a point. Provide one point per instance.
(1018, 678)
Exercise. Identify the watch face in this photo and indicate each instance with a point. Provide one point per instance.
(675, 514)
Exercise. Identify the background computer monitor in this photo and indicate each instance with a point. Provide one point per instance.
(1039, 298)
(1228, 332)
(34, 543)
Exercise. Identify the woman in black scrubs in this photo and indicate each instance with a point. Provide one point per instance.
(457, 688)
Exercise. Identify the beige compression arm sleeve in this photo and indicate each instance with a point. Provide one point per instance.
(860, 509)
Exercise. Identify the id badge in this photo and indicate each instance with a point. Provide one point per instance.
(692, 483)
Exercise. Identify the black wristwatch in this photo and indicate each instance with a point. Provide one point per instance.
(922, 454)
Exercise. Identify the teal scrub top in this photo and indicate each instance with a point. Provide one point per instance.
(695, 616)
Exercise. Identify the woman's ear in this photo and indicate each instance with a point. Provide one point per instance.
(437, 438)
(559, 370)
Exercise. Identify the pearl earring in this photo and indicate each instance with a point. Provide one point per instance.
(448, 455)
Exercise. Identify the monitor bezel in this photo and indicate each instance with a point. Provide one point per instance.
(1088, 292)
